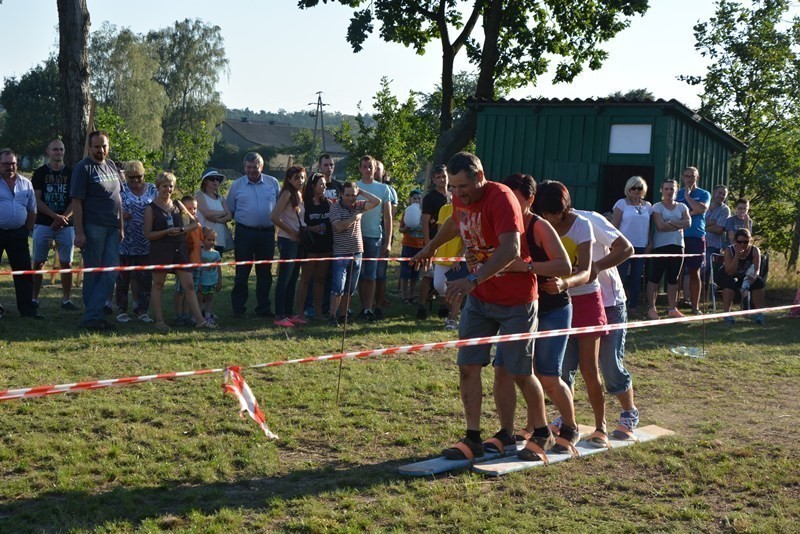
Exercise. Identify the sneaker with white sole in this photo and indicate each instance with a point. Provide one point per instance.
(451, 324)
(123, 318)
(145, 318)
(628, 421)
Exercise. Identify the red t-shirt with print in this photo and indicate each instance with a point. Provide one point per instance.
(480, 224)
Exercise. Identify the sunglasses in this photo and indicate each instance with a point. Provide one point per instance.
(134, 177)
(637, 188)
(739, 241)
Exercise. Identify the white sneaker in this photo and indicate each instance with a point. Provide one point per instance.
(451, 324)
(145, 318)
(123, 318)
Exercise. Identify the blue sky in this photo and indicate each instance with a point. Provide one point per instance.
(280, 56)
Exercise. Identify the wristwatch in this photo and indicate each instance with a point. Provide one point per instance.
(472, 277)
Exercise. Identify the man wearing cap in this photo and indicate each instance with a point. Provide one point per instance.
(251, 200)
(212, 210)
(17, 215)
(53, 224)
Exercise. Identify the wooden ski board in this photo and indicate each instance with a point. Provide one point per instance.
(511, 464)
(440, 464)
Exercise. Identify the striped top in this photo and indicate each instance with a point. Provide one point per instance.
(349, 241)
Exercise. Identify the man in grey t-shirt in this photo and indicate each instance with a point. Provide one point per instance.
(96, 205)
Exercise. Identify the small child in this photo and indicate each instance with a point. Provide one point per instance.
(210, 277)
(194, 241)
(413, 241)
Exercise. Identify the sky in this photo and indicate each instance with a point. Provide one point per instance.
(280, 55)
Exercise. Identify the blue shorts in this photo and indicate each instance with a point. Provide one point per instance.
(373, 270)
(340, 272)
(550, 350)
(694, 245)
(407, 272)
(482, 319)
(44, 235)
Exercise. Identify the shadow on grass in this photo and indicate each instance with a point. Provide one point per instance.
(65, 511)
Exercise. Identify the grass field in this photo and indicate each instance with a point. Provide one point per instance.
(174, 455)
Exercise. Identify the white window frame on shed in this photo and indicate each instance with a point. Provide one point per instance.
(630, 139)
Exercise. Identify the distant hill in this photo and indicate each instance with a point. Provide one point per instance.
(302, 119)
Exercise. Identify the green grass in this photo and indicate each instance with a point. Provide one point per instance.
(174, 455)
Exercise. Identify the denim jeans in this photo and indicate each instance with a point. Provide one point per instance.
(549, 353)
(251, 244)
(372, 249)
(630, 271)
(101, 250)
(611, 354)
(343, 278)
(287, 277)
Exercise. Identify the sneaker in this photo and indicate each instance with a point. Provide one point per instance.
(652, 314)
(297, 320)
(506, 439)
(555, 426)
(451, 324)
(759, 318)
(123, 318)
(35, 303)
(284, 323)
(210, 325)
(145, 318)
(729, 321)
(332, 321)
(683, 303)
(68, 305)
(422, 313)
(697, 311)
(569, 433)
(628, 420)
(378, 314)
(367, 315)
(674, 313)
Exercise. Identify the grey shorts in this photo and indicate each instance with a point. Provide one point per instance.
(482, 319)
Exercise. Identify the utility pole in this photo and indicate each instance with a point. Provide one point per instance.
(319, 120)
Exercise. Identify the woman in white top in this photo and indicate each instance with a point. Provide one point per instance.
(287, 215)
(670, 218)
(212, 210)
(631, 216)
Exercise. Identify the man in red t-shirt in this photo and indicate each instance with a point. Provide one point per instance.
(488, 218)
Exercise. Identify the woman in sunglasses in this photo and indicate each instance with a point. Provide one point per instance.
(212, 210)
(741, 270)
(632, 216)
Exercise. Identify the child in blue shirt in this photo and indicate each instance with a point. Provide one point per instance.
(210, 277)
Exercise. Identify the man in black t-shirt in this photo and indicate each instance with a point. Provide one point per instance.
(431, 204)
(326, 166)
(53, 223)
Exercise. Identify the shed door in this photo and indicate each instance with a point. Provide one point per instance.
(616, 176)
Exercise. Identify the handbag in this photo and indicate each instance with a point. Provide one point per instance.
(306, 236)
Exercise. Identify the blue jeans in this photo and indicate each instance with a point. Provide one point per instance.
(611, 354)
(252, 244)
(549, 353)
(630, 271)
(287, 277)
(373, 270)
(101, 250)
(342, 276)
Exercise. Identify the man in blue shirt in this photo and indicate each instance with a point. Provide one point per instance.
(17, 215)
(97, 217)
(697, 200)
(251, 200)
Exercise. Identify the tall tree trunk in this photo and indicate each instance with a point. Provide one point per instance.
(457, 137)
(73, 68)
(795, 247)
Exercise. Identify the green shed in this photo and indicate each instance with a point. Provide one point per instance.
(594, 146)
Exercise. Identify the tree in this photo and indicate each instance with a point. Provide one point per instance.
(124, 65)
(73, 69)
(31, 103)
(751, 89)
(402, 138)
(518, 37)
(191, 57)
(634, 94)
(125, 145)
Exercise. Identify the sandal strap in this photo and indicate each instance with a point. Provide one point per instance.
(601, 436)
(627, 432)
(537, 450)
(497, 443)
(568, 445)
(464, 448)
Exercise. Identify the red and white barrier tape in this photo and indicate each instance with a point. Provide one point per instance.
(172, 266)
(41, 391)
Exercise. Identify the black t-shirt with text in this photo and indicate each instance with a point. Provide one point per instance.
(54, 186)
